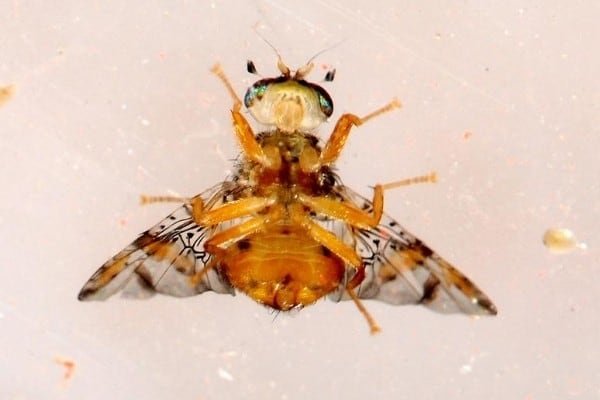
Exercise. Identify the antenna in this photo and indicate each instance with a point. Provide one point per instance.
(285, 70)
(305, 70)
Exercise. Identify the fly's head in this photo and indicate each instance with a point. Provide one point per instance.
(289, 102)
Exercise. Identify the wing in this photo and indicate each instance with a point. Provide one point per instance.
(162, 259)
(401, 269)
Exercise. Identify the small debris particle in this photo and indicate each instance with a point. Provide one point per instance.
(6, 93)
(561, 240)
(68, 365)
(465, 369)
(223, 374)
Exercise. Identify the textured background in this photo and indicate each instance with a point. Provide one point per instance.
(502, 99)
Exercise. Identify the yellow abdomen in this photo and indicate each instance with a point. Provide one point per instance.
(282, 267)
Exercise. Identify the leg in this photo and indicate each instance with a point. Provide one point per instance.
(228, 211)
(218, 71)
(354, 282)
(144, 199)
(338, 138)
(347, 211)
(431, 178)
(324, 237)
(346, 253)
(243, 131)
(251, 148)
(370, 320)
(256, 224)
(215, 244)
(350, 213)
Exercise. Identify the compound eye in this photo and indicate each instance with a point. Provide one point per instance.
(325, 102)
(255, 92)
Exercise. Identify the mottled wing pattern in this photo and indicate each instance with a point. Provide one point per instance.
(401, 269)
(163, 259)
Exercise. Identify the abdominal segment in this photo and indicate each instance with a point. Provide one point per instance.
(282, 267)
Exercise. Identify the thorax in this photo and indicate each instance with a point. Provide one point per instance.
(295, 171)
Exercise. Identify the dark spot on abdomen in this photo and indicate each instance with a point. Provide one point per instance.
(244, 244)
(325, 251)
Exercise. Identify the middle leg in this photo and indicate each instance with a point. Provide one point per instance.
(348, 212)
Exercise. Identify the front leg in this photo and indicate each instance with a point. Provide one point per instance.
(267, 157)
(340, 133)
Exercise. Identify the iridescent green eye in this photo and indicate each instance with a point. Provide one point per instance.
(325, 103)
(255, 91)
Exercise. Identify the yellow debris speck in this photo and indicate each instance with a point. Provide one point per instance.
(6, 92)
(561, 240)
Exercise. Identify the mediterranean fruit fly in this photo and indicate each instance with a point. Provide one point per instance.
(284, 229)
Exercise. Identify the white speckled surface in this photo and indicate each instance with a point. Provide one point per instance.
(115, 100)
